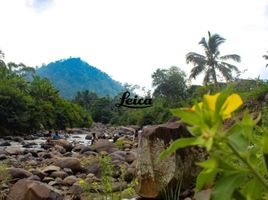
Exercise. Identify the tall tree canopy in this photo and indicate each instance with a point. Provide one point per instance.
(170, 84)
(212, 62)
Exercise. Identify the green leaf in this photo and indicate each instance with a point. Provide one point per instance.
(265, 150)
(205, 177)
(238, 141)
(180, 143)
(220, 101)
(187, 116)
(227, 166)
(233, 129)
(265, 143)
(208, 144)
(248, 123)
(237, 195)
(225, 186)
(208, 164)
(253, 189)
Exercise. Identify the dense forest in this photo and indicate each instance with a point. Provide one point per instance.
(30, 106)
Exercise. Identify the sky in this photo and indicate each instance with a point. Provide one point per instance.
(130, 39)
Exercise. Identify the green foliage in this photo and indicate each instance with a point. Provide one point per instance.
(29, 106)
(170, 84)
(106, 174)
(119, 144)
(157, 114)
(72, 75)
(4, 176)
(103, 110)
(99, 107)
(237, 164)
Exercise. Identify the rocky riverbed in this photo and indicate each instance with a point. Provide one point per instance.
(31, 168)
(73, 168)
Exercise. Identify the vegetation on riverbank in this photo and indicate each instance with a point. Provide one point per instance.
(30, 106)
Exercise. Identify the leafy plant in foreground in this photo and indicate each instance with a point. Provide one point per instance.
(238, 158)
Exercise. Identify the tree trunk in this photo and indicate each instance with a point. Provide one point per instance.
(215, 79)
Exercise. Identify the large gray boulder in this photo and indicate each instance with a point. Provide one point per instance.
(154, 176)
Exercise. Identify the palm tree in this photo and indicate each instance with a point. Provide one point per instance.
(212, 62)
(266, 58)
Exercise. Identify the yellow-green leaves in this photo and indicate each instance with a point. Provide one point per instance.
(208, 174)
(181, 143)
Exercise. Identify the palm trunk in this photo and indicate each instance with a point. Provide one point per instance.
(215, 79)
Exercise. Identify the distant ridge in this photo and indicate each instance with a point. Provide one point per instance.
(73, 74)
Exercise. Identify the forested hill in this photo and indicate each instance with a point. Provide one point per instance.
(73, 74)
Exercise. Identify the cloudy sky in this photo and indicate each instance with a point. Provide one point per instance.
(129, 39)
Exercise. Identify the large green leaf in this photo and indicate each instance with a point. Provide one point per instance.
(225, 186)
(187, 116)
(180, 143)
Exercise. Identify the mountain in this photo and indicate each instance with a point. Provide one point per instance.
(73, 74)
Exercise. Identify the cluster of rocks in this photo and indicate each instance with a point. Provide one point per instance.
(55, 171)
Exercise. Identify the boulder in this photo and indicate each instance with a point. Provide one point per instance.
(154, 176)
(131, 172)
(89, 137)
(118, 155)
(13, 150)
(87, 148)
(105, 145)
(5, 143)
(29, 145)
(50, 169)
(59, 174)
(68, 162)
(69, 180)
(18, 173)
(33, 190)
(18, 139)
(78, 147)
(92, 166)
(131, 156)
(64, 143)
(3, 152)
(38, 173)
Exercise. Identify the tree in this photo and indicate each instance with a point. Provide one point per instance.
(170, 84)
(99, 107)
(212, 62)
(266, 58)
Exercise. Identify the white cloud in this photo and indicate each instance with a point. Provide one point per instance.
(130, 39)
(39, 5)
